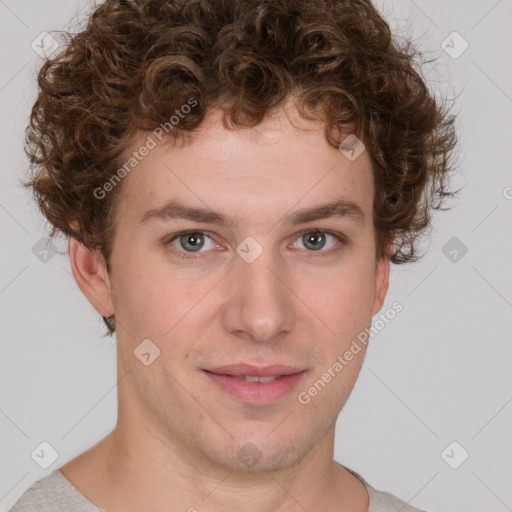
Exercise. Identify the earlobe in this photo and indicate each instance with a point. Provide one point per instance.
(89, 270)
(381, 283)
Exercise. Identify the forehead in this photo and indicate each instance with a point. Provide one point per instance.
(282, 162)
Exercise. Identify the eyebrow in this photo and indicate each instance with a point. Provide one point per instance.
(341, 208)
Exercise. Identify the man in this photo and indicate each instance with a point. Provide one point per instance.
(235, 179)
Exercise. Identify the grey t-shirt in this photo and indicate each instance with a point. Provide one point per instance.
(54, 493)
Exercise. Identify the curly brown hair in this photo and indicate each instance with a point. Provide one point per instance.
(137, 62)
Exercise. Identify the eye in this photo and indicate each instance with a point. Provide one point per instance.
(190, 242)
(313, 240)
(317, 240)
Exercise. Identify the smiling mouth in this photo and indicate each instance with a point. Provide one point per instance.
(249, 370)
(260, 386)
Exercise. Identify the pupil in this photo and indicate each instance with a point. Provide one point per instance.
(195, 243)
(314, 238)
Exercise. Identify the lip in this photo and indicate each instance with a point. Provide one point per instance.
(257, 371)
(227, 378)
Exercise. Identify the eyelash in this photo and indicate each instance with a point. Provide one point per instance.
(339, 236)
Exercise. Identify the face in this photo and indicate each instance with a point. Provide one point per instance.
(235, 282)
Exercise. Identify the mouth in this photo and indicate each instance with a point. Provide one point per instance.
(256, 385)
(254, 378)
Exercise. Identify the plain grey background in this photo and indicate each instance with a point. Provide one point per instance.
(439, 373)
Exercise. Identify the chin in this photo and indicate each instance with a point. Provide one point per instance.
(261, 455)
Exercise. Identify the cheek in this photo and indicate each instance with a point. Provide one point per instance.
(158, 301)
(145, 300)
(342, 301)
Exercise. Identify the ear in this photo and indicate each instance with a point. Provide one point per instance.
(91, 275)
(381, 281)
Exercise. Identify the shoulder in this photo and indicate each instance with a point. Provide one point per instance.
(53, 493)
(40, 495)
(381, 501)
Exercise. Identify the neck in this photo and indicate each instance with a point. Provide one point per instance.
(130, 472)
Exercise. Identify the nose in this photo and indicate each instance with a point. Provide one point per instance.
(260, 305)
